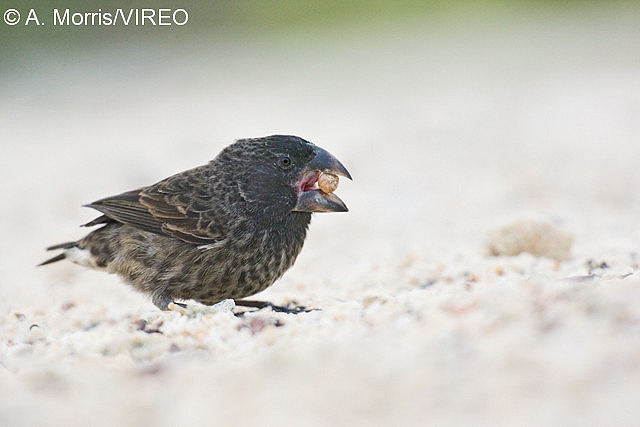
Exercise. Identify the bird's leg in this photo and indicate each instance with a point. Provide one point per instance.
(290, 308)
(163, 302)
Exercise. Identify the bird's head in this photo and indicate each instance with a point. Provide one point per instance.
(278, 175)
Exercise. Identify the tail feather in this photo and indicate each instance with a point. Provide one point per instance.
(54, 259)
(66, 245)
(60, 257)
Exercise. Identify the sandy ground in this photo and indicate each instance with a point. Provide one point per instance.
(450, 133)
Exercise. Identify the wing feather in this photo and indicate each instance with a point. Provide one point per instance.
(164, 208)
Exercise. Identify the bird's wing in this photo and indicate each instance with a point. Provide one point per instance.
(168, 207)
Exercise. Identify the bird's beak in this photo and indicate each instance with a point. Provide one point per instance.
(325, 162)
(310, 198)
(317, 201)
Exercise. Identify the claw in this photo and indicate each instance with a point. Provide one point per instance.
(177, 307)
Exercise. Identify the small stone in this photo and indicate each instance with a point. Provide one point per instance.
(537, 237)
(67, 306)
(371, 299)
(139, 324)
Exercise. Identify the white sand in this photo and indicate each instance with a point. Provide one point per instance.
(449, 133)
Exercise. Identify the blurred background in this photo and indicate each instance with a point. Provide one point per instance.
(407, 88)
(469, 108)
(452, 117)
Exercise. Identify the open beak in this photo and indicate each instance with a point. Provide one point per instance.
(310, 198)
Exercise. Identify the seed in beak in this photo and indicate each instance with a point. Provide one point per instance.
(328, 182)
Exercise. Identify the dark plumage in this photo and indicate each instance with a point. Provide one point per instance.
(227, 229)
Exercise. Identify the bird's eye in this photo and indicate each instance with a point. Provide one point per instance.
(284, 162)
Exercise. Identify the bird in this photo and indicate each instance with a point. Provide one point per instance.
(226, 229)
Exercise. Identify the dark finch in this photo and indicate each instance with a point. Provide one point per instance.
(227, 229)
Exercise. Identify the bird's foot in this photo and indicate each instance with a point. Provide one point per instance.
(290, 308)
(166, 303)
(177, 307)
